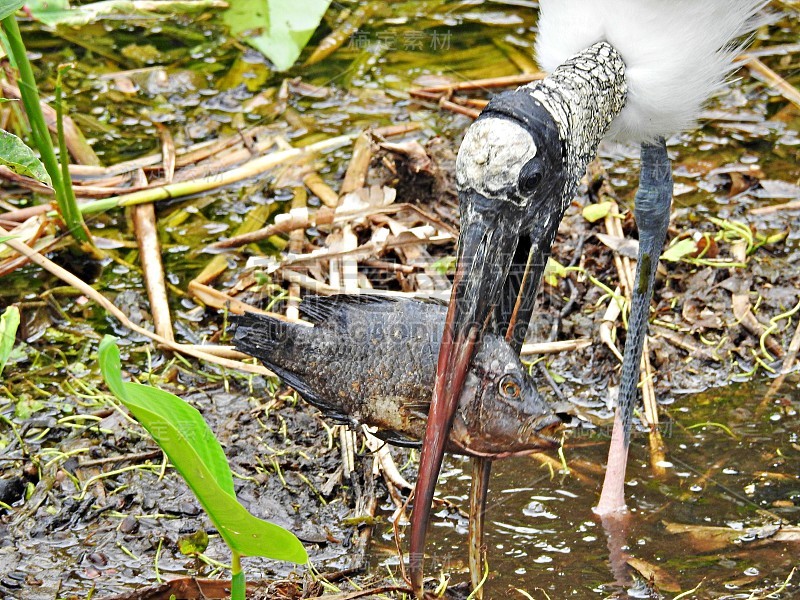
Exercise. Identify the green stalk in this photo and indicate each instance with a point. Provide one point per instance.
(67, 205)
(238, 584)
(69, 210)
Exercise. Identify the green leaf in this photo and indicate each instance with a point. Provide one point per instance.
(9, 323)
(186, 439)
(445, 265)
(279, 29)
(680, 249)
(194, 543)
(595, 212)
(15, 155)
(553, 270)
(9, 7)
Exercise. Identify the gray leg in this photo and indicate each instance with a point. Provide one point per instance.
(652, 218)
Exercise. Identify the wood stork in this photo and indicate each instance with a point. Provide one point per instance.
(630, 70)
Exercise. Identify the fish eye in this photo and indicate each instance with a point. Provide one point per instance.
(510, 388)
(530, 176)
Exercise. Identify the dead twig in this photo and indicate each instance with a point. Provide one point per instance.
(480, 84)
(112, 309)
(763, 73)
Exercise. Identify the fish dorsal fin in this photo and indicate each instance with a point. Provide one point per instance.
(323, 309)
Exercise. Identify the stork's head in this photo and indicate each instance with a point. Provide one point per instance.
(510, 168)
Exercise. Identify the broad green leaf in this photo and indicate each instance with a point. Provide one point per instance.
(279, 29)
(9, 7)
(47, 5)
(58, 12)
(595, 212)
(183, 435)
(9, 323)
(184, 423)
(15, 155)
(680, 249)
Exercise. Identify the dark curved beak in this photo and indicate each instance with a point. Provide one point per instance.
(490, 231)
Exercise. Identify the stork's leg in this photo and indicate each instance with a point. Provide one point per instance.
(481, 470)
(652, 219)
(512, 318)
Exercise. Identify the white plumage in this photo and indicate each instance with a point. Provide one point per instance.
(676, 52)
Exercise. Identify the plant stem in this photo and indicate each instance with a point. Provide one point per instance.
(238, 584)
(251, 168)
(41, 135)
(70, 211)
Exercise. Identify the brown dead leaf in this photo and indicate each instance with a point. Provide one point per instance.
(623, 246)
(418, 159)
(659, 577)
(707, 247)
(740, 182)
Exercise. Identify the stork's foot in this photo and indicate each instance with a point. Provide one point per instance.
(615, 526)
(612, 498)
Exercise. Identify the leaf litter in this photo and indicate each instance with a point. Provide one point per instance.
(378, 215)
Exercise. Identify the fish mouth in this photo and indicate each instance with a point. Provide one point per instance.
(535, 435)
(546, 430)
(542, 433)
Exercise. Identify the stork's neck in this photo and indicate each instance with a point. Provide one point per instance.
(584, 95)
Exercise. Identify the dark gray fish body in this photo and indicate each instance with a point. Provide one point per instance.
(372, 360)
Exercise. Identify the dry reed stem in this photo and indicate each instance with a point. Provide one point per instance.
(411, 237)
(321, 189)
(768, 210)
(303, 219)
(297, 239)
(480, 84)
(555, 347)
(250, 169)
(168, 154)
(763, 73)
(145, 229)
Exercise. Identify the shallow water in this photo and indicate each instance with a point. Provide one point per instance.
(542, 536)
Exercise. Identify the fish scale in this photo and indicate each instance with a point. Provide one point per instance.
(371, 360)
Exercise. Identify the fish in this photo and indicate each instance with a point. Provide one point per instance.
(371, 360)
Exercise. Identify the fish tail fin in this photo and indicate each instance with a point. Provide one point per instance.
(273, 342)
(261, 335)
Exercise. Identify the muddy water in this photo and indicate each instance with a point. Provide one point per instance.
(732, 462)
